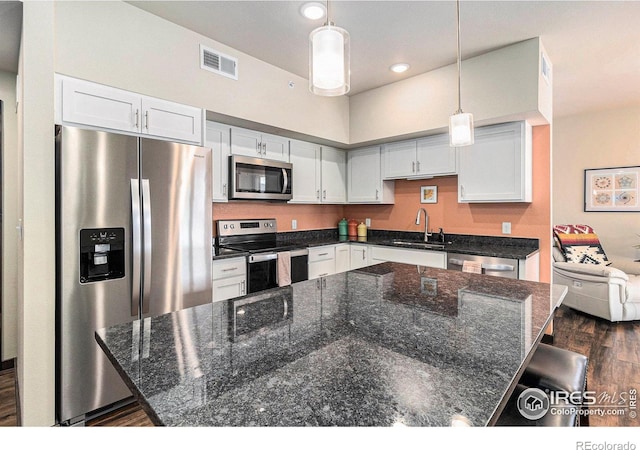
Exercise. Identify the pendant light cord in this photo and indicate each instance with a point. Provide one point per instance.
(458, 44)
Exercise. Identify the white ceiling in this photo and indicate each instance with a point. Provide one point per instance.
(594, 46)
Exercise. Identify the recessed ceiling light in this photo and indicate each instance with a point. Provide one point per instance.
(313, 10)
(399, 68)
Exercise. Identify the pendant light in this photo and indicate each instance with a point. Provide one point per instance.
(329, 55)
(460, 124)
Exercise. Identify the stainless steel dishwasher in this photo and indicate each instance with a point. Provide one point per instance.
(497, 267)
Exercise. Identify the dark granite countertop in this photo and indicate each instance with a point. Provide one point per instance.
(494, 246)
(383, 345)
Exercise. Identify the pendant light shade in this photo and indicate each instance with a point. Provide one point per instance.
(460, 124)
(329, 60)
(460, 129)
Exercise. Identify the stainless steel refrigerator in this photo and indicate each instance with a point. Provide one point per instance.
(133, 241)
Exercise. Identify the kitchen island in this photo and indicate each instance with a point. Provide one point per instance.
(390, 344)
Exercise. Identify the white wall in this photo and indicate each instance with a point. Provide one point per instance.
(590, 141)
(122, 46)
(10, 185)
(498, 86)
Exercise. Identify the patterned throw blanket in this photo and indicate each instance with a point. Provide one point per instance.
(579, 244)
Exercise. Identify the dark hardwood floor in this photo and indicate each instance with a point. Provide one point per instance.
(614, 366)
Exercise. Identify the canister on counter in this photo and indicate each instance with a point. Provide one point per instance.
(342, 227)
(352, 226)
(362, 230)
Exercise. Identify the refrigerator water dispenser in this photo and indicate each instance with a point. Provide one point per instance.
(101, 254)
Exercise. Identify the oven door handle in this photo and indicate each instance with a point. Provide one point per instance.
(261, 257)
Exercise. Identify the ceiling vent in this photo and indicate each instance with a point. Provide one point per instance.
(214, 61)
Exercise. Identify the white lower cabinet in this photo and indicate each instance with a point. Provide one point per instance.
(229, 278)
(359, 256)
(322, 261)
(343, 257)
(428, 258)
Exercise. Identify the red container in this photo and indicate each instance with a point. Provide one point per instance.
(352, 228)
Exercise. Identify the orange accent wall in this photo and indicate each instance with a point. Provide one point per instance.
(309, 217)
(531, 220)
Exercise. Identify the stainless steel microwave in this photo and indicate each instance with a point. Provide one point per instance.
(259, 179)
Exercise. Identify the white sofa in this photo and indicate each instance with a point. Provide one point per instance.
(610, 292)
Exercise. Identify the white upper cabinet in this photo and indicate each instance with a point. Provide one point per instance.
(259, 145)
(423, 158)
(217, 138)
(364, 177)
(435, 157)
(399, 159)
(80, 102)
(334, 175)
(306, 161)
(319, 173)
(497, 167)
(171, 120)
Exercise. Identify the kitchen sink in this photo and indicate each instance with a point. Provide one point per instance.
(418, 244)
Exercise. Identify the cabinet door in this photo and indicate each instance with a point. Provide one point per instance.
(343, 255)
(334, 171)
(170, 120)
(246, 142)
(399, 160)
(497, 167)
(364, 180)
(101, 106)
(305, 158)
(435, 156)
(227, 288)
(217, 138)
(275, 147)
(359, 256)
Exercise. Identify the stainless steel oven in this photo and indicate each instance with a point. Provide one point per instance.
(258, 237)
(259, 179)
(262, 269)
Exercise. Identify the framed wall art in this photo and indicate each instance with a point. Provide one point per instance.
(429, 194)
(613, 189)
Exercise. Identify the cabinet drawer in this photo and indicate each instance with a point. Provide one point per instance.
(227, 288)
(322, 268)
(226, 268)
(322, 254)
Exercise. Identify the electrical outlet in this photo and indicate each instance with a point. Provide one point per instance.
(294, 224)
(506, 227)
(367, 222)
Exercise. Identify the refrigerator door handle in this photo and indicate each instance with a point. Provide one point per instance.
(146, 234)
(137, 238)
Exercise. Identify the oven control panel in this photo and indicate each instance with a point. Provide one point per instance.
(246, 226)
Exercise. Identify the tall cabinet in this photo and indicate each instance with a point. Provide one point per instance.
(217, 137)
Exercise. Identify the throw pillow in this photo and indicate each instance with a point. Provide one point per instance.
(582, 248)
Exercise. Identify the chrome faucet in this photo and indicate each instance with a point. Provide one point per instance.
(426, 223)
